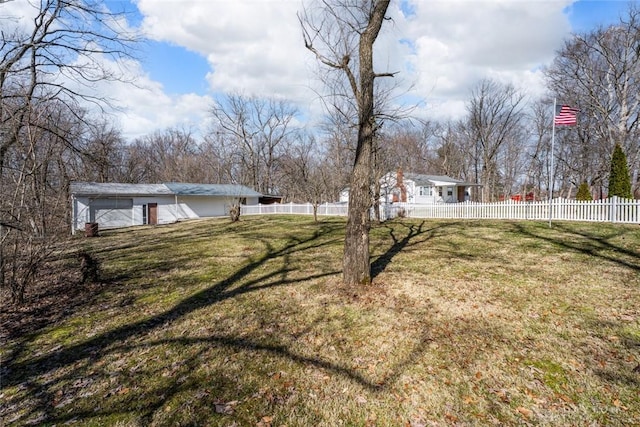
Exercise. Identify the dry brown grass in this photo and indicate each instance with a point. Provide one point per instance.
(466, 323)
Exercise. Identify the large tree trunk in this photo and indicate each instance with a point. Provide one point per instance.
(369, 16)
(357, 265)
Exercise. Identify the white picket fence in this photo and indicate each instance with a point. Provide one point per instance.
(607, 210)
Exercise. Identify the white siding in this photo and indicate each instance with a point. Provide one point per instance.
(81, 212)
(166, 209)
(125, 212)
(120, 212)
(411, 190)
(202, 206)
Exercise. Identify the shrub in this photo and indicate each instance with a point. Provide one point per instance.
(584, 193)
(619, 179)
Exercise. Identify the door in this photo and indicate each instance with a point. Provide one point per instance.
(111, 212)
(153, 213)
(461, 195)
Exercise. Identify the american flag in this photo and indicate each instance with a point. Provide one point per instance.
(566, 116)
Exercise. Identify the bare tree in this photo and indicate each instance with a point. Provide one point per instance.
(46, 72)
(213, 163)
(307, 175)
(341, 37)
(339, 137)
(495, 120)
(253, 133)
(101, 154)
(599, 72)
(537, 174)
(452, 149)
(34, 204)
(60, 56)
(170, 155)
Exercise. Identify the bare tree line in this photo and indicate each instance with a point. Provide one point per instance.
(47, 69)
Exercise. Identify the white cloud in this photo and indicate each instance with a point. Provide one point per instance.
(458, 42)
(442, 49)
(140, 108)
(17, 15)
(145, 107)
(253, 47)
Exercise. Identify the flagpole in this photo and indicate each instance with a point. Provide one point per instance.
(551, 171)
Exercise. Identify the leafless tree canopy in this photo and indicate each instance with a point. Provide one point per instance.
(254, 134)
(599, 72)
(46, 72)
(495, 124)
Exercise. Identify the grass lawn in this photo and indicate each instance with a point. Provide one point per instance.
(247, 324)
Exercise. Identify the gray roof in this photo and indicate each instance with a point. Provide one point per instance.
(172, 188)
(118, 189)
(430, 179)
(226, 190)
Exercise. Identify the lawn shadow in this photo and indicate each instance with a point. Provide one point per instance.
(400, 243)
(28, 371)
(25, 370)
(591, 245)
(615, 366)
(611, 367)
(63, 296)
(60, 292)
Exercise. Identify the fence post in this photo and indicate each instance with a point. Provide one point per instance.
(613, 214)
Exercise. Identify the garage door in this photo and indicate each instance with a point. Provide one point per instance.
(111, 212)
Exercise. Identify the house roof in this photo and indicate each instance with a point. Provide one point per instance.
(226, 190)
(420, 179)
(118, 189)
(170, 189)
(424, 180)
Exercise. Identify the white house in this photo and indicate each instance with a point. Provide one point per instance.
(122, 205)
(423, 189)
(399, 187)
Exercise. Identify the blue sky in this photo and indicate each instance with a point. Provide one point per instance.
(198, 50)
(179, 70)
(587, 14)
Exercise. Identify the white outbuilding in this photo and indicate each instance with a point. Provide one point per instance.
(113, 205)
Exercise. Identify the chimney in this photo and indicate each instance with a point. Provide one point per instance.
(401, 187)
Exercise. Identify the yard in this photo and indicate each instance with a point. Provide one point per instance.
(247, 324)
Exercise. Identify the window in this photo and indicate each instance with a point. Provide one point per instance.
(449, 191)
(440, 191)
(425, 191)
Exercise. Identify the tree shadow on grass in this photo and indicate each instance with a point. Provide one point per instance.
(609, 350)
(612, 369)
(409, 239)
(22, 369)
(599, 247)
(59, 292)
(41, 375)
